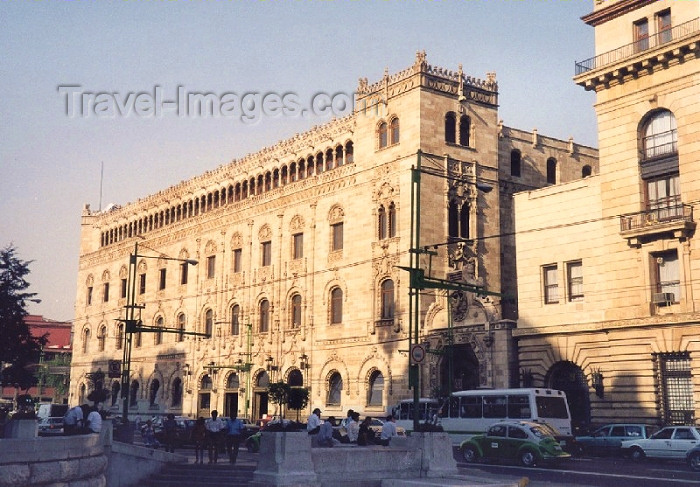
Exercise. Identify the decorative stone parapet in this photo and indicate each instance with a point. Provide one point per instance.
(53, 461)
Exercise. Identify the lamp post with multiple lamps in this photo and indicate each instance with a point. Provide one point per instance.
(132, 324)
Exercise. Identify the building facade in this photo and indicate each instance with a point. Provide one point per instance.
(53, 370)
(607, 266)
(300, 248)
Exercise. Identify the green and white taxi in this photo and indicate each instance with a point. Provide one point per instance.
(523, 441)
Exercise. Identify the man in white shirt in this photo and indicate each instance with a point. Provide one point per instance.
(215, 427)
(94, 421)
(313, 424)
(388, 430)
(73, 420)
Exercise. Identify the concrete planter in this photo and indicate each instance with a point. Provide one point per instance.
(22, 428)
(285, 460)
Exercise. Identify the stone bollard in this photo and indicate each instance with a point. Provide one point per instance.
(285, 460)
(437, 459)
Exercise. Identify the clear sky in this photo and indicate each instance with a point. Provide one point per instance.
(51, 163)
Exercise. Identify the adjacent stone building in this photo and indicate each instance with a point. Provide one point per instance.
(300, 248)
(607, 266)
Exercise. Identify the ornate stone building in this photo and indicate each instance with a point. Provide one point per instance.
(608, 296)
(300, 247)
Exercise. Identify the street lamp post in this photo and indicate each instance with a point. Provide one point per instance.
(134, 325)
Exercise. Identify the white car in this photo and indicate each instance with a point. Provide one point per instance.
(670, 443)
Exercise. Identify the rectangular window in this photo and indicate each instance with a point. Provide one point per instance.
(88, 297)
(161, 280)
(298, 246)
(211, 266)
(266, 250)
(183, 273)
(676, 381)
(142, 283)
(105, 292)
(574, 274)
(663, 26)
(237, 260)
(551, 286)
(337, 238)
(668, 281)
(641, 35)
(122, 291)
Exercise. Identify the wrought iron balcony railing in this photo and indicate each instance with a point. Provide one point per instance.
(630, 50)
(657, 216)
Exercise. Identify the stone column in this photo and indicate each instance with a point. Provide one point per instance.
(285, 460)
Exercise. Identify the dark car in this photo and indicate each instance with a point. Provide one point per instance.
(607, 440)
(523, 441)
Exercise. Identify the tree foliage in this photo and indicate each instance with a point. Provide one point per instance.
(298, 399)
(19, 350)
(279, 392)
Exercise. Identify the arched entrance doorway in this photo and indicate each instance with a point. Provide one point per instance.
(568, 377)
(262, 382)
(464, 373)
(231, 395)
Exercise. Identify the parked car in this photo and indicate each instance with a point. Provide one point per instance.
(669, 443)
(608, 439)
(182, 433)
(52, 426)
(523, 441)
(692, 457)
(376, 426)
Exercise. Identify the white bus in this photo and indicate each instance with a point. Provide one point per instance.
(466, 413)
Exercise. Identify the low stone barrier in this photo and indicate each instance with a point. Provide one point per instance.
(287, 459)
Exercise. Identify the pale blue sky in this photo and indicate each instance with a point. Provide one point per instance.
(51, 163)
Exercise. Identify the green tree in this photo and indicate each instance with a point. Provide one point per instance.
(19, 350)
(98, 394)
(298, 399)
(279, 392)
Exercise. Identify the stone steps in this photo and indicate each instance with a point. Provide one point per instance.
(206, 475)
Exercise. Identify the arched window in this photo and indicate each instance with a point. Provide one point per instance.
(586, 171)
(101, 336)
(116, 387)
(264, 316)
(450, 128)
(465, 126)
(81, 393)
(137, 339)
(133, 393)
(120, 335)
(382, 134)
(296, 311)
(349, 153)
(86, 340)
(233, 382)
(392, 220)
(464, 221)
(153, 393)
(376, 389)
(235, 320)
(453, 220)
(394, 128)
(659, 165)
(335, 389)
(176, 397)
(296, 379)
(383, 223)
(181, 320)
(387, 300)
(551, 171)
(158, 336)
(515, 163)
(336, 306)
(209, 322)
(263, 380)
(659, 135)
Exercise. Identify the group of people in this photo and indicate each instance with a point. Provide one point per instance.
(82, 420)
(214, 435)
(359, 433)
